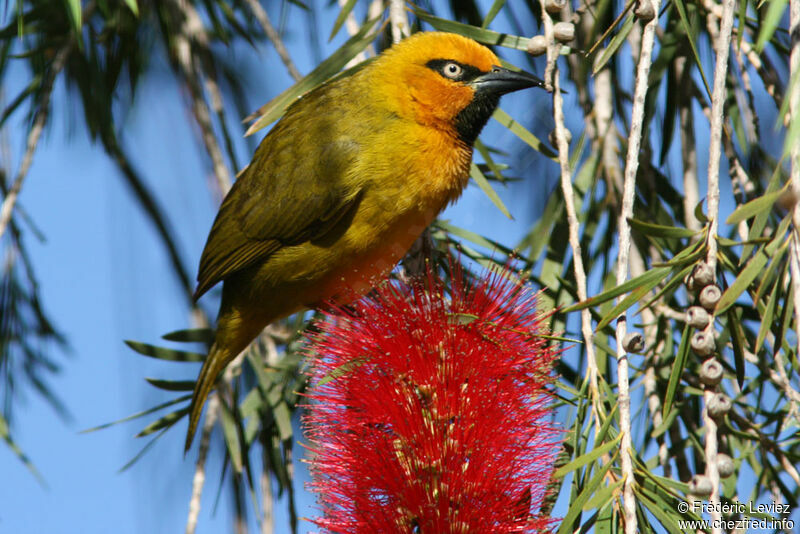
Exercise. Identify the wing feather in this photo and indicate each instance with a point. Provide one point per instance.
(295, 190)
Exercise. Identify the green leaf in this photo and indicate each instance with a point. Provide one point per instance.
(172, 385)
(755, 206)
(604, 496)
(134, 6)
(666, 423)
(689, 35)
(635, 295)
(192, 335)
(324, 71)
(576, 504)
(165, 422)
(75, 14)
(495, 8)
(165, 354)
(742, 282)
(738, 342)
(342, 370)
(770, 22)
(698, 213)
(231, 435)
(347, 8)
(657, 274)
(497, 170)
(142, 451)
(587, 458)
(476, 174)
(760, 222)
(283, 419)
(157, 408)
(657, 230)
(5, 433)
(614, 45)
(481, 35)
(520, 131)
(659, 508)
(768, 315)
(675, 374)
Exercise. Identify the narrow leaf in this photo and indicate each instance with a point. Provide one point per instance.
(770, 22)
(476, 174)
(587, 458)
(614, 45)
(192, 335)
(481, 35)
(657, 230)
(165, 354)
(172, 385)
(755, 206)
(324, 71)
(520, 131)
(133, 5)
(743, 281)
(347, 8)
(139, 414)
(658, 274)
(495, 8)
(675, 374)
(165, 422)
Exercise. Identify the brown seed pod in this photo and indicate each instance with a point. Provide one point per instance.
(644, 10)
(709, 297)
(703, 274)
(564, 32)
(711, 372)
(725, 465)
(633, 342)
(719, 405)
(537, 45)
(554, 6)
(697, 317)
(700, 485)
(552, 137)
(702, 344)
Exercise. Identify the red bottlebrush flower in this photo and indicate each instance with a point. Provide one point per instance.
(430, 413)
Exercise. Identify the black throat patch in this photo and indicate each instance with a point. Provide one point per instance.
(471, 120)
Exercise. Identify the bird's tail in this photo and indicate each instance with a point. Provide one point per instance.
(218, 357)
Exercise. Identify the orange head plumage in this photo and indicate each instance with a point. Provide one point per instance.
(445, 81)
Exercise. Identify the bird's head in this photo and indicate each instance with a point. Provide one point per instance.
(446, 81)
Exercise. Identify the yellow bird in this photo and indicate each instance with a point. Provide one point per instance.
(344, 184)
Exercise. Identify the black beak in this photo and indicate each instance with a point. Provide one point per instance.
(500, 81)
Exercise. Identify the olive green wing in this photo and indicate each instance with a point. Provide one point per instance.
(295, 190)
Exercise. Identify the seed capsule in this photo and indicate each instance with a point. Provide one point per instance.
(700, 486)
(537, 45)
(552, 137)
(702, 344)
(554, 6)
(564, 32)
(719, 405)
(711, 372)
(709, 297)
(725, 465)
(703, 274)
(644, 10)
(697, 317)
(633, 342)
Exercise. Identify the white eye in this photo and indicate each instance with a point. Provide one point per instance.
(452, 70)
